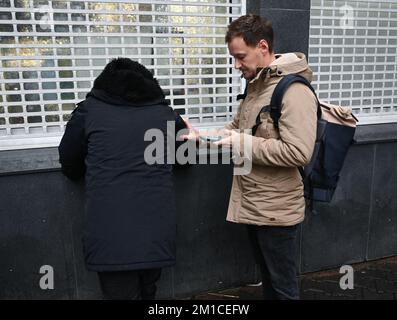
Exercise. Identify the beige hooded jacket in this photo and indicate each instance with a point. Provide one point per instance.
(272, 193)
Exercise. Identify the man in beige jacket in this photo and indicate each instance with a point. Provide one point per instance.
(269, 199)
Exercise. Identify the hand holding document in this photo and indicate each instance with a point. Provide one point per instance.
(193, 133)
(213, 135)
(228, 136)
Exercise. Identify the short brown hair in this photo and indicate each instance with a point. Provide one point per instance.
(252, 29)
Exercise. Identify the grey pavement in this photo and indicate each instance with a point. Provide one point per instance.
(373, 280)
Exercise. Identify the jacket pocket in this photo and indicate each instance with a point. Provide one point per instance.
(271, 130)
(266, 129)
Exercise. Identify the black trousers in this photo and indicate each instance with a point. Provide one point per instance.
(129, 285)
(275, 251)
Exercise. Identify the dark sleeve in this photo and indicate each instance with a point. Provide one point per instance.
(73, 147)
(179, 125)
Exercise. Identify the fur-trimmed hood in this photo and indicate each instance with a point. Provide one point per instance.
(126, 81)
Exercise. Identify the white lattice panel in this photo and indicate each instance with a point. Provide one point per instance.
(352, 51)
(51, 51)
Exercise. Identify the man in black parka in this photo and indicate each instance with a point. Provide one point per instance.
(130, 225)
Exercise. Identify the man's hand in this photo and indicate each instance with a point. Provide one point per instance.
(193, 133)
(205, 134)
(230, 136)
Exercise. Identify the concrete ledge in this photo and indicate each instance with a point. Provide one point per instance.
(376, 133)
(41, 224)
(46, 159)
(28, 160)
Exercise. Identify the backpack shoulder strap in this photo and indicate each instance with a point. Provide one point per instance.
(242, 96)
(258, 121)
(278, 93)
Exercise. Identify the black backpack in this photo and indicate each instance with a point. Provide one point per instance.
(335, 131)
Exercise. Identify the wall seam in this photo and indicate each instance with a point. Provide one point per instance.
(371, 201)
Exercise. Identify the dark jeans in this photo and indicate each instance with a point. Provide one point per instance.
(275, 251)
(129, 285)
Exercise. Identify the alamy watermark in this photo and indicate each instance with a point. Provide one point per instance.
(347, 19)
(45, 17)
(347, 280)
(168, 148)
(47, 280)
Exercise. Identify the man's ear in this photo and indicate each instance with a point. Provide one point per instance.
(263, 46)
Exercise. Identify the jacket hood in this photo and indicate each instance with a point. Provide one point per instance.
(289, 63)
(124, 81)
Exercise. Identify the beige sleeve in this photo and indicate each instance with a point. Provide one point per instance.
(235, 124)
(297, 124)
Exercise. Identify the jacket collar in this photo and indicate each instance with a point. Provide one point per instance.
(287, 63)
(115, 100)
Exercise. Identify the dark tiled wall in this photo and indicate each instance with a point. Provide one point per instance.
(337, 233)
(41, 220)
(291, 20)
(361, 221)
(383, 212)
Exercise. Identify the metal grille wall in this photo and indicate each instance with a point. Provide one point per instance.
(352, 52)
(52, 50)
